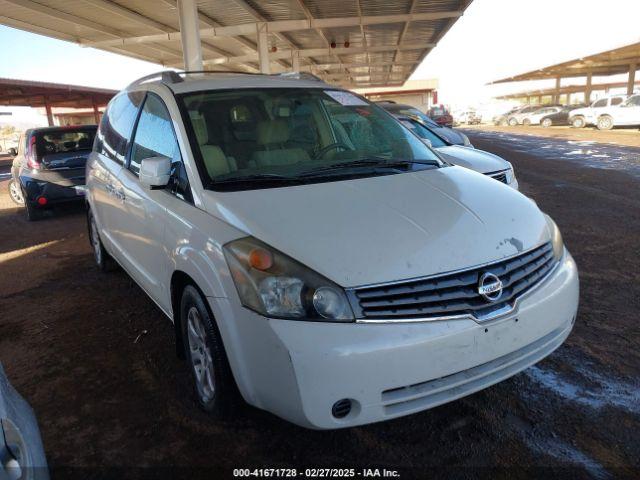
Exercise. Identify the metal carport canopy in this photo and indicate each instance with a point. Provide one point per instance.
(356, 43)
(26, 93)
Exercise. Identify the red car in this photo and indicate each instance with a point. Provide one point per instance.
(441, 116)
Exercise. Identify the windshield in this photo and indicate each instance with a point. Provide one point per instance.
(261, 138)
(423, 132)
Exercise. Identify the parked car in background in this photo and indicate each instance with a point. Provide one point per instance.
(21, 452)
(627, 114)
(454, 137)
(503, 118)
(535, 117)
(440, 115)
(560, 117)
(472, 158)
(583, 117)
(518, 117)
(469, 117)
(49, 168)
(316, 253)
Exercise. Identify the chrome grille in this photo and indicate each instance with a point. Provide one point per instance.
(455, 293)
(500, 176)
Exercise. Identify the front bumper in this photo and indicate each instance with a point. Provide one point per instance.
(298, 370)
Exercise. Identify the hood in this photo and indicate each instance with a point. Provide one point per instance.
(388, 228)
(478, 160)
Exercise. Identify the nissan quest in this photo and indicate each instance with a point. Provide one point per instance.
(316, 258)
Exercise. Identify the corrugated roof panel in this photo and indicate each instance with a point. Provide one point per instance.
(332, 8)
(135, 30)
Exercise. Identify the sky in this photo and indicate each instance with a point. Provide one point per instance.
(494, 39)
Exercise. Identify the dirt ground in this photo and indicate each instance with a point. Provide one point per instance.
(620, 136)
(95, 358)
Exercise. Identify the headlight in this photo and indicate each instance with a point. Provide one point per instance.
(275, 285)
(556, 238)
(511, 175)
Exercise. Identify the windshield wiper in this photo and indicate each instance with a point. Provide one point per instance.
(378, 163)
(256, 178)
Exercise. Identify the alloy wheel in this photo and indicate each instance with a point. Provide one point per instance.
(201, 358)
(16, 193)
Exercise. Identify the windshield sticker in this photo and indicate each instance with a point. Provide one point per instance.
(345, 98)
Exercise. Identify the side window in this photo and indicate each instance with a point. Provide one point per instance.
(116, 125)
(634, 101)
(155, 137)
(600, 103)
(616, 101)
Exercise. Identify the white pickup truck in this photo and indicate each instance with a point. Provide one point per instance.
(582, 117)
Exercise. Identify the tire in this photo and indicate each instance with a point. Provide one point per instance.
(546, 122)
(605, 122)
(103, 260)
(526, 122)
(33, 213)
(15, 192)
(512, 122)
(578, 122)
(213, 384)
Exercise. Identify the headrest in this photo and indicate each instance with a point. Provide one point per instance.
(199, 126)
(273, 131)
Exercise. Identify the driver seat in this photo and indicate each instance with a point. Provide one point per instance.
(272, 136)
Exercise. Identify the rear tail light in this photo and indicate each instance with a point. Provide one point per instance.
(32, 158)
(42, 201)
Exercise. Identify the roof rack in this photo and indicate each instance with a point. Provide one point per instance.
(169, 77)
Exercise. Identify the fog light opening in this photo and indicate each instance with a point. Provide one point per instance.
(341, 408)
(42, 201)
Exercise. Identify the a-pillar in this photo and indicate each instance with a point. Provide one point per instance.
(190, 34)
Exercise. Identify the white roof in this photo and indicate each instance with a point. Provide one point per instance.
(375, 42)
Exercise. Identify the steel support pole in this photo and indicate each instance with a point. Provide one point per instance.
(96, 112)
(47, 108)
(190, 34)
(263, 48)
(632, 78)
(295, 61)
(556, 95)
(587, 91)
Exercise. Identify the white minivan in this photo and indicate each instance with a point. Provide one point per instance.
(314, 254)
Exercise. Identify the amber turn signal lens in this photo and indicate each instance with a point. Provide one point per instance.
(260, 259)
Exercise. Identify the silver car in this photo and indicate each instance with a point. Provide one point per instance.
(472, 158)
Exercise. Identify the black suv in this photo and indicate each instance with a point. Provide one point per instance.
(49, 167)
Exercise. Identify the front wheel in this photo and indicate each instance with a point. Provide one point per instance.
(605, 123)
(15, 192)
(512, 122)
(213, 382)
(546, 122)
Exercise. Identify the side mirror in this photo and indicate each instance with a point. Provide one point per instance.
(427, 142)
(155, 171)
(12, 151)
